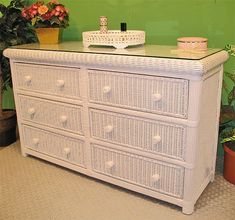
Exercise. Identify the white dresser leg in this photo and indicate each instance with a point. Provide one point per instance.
(212, 177)
(188, 208)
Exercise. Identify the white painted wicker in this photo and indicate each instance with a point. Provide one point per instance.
(156, 175)
(61, 81)
(135, 132)
(152, 94)
(59, 146)
(146, 123)
(115, 38)
(53, 114)
(176, 68)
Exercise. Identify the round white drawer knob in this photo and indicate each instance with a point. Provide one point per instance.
(157, 97)
(67, 151)
(63, 119)
(60, 83)
(109, 165)
(31, 111)
(108, 129)
(155, 178)
(35, 142)
(156, 139)
(106, 89)
(27, 79)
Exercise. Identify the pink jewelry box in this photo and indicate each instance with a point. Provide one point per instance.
(192, 43)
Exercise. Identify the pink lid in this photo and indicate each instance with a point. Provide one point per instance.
(192, 39)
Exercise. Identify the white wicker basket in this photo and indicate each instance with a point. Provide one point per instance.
(114, 38)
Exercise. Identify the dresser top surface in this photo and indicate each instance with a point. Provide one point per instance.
(158, 51)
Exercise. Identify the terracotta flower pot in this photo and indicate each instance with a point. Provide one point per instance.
(49, 35)
(229, 164)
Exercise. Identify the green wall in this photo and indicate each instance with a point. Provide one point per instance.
(163, 20)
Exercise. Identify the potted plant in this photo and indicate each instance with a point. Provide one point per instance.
(228, 111)
(14, 30)
(49, 19)
(228, 141)
(227, 126)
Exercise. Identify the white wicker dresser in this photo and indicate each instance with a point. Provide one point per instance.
(143, 118)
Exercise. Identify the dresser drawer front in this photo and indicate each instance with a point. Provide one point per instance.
(58, 146)
(63, 116)
(59, 81)
(134, 132)
(155, 175)
(161, 95)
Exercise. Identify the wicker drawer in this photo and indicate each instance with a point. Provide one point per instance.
(134, 132)
(155, 175)
(58, 146)
(46, 79)
(49, 113)
(160, 95)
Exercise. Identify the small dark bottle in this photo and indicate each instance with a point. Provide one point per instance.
(123, 26)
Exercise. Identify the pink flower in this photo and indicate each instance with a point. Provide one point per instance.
(59, 8)
(31, 12)
(53, 12)
(34, 6)
(24, 13)
(47, 16)
(57, 13)
(34, 12)
(61, 18)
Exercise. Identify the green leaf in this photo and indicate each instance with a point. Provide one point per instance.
(230, 76)
(3, 9)
(229, 49)
(34, 21)
(231, 96)
(14, 30)
(55, 20)
(228, 139)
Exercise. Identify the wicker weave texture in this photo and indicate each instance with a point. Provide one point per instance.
(58, 146)
(133, 132)
(114, 38)
(156, 175)
(160, 95)
(60, 81)
(53, 114)
(142, 119)
(188, 69)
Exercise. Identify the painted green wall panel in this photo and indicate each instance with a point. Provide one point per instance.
(163, 20)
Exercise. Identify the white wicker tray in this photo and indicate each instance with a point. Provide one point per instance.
(115, 38)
